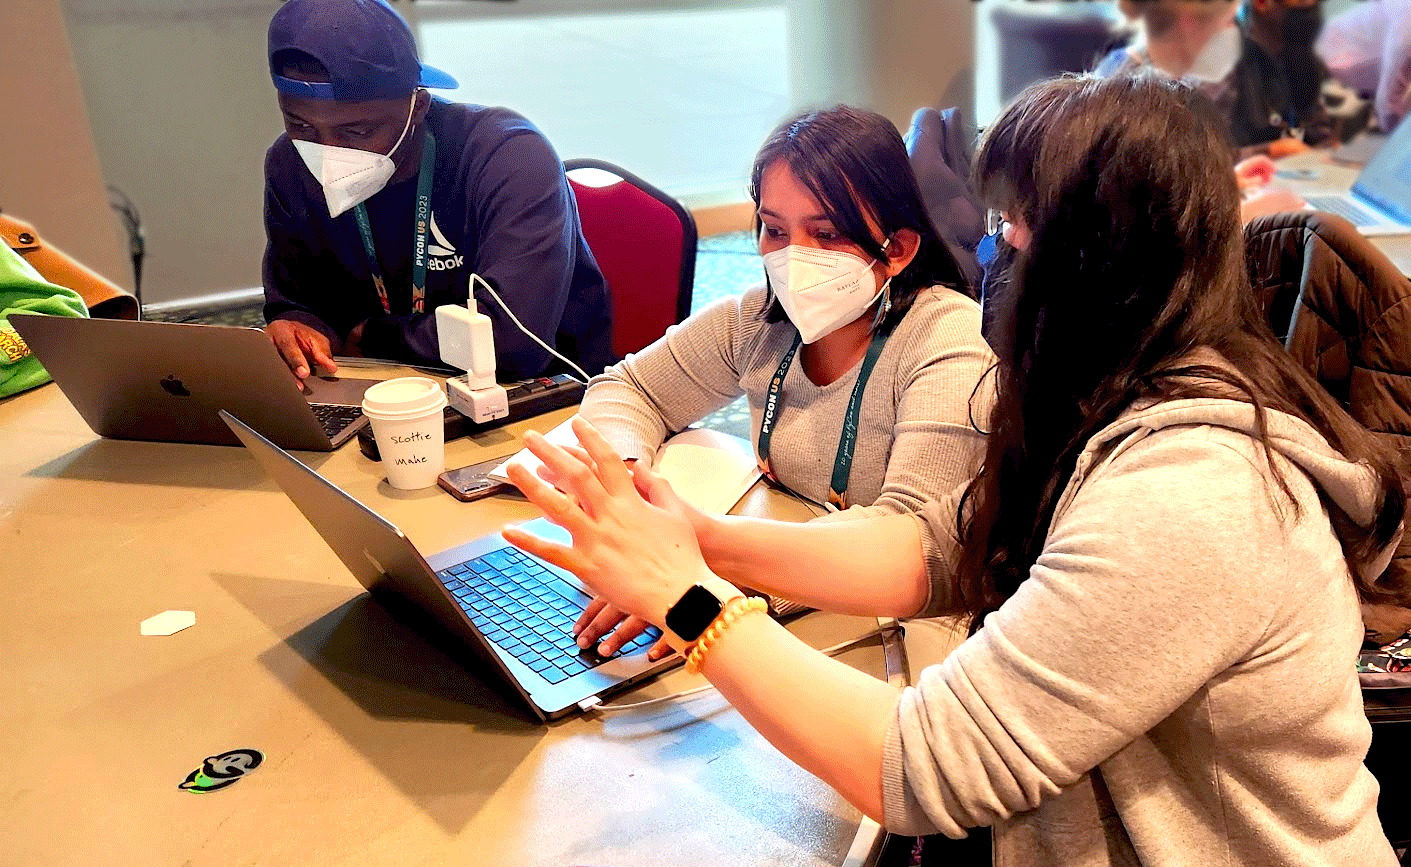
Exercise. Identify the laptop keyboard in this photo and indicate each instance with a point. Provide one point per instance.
(334, 418)
(1343, 208)
(522, 606)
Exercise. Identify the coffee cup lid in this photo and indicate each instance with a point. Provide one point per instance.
(405, 397)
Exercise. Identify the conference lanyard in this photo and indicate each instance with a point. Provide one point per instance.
(421, 219)
(847, 440)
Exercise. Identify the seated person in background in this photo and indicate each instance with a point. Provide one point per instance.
(1199, 42)
(1195, 40)
(860, 355)
(1278, 81)
(104, 298)
(1368, 48)
(23, 290)
(863, 322)
(380, 202)
(1161, 556)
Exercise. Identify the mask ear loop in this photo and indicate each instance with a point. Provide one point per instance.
(411, 110)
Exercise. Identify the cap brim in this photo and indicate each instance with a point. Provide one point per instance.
(433, 77)
(307, 89)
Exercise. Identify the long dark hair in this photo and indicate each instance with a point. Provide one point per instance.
(1136, 259)
(851, 160)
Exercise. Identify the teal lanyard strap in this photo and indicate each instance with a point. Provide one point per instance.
(847, 440)
(771, 407)
(421, 222)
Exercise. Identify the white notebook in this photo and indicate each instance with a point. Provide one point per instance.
(708, 469)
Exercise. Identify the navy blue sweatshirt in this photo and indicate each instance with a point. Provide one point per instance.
(500, 208)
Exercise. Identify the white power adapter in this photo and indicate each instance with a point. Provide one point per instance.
(467, 341)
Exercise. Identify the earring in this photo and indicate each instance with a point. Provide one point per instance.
(885, 307)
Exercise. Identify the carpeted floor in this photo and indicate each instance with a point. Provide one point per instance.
(725, 265)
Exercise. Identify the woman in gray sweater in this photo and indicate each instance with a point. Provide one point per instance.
(1161, 557)
(861, 353)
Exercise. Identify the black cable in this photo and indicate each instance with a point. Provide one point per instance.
(136, 242)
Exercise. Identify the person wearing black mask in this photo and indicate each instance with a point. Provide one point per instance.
(1279, 78)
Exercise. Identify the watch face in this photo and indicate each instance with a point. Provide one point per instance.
(693, 613)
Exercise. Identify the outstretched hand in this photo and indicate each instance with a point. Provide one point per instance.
(638, 556)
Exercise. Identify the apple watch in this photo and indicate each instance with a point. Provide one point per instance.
(693, 613)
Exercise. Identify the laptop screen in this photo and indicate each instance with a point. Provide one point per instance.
(1386, 181)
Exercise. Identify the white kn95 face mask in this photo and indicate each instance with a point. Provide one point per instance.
(350, 176)
(821, 290)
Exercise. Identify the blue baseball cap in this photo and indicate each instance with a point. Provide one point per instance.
(366, 47)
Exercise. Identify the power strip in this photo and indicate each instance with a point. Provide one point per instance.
(527, 398)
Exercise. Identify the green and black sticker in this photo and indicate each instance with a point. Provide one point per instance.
(217, 772)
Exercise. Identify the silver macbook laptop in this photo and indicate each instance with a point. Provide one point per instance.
(1379, 203)
(513, 612)
(166, 382)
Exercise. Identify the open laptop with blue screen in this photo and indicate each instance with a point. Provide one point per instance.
(1379, 203)
(511, 611)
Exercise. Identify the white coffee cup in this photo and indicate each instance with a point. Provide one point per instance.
(407, 423)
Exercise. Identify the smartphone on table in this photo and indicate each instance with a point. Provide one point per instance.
(473, 482)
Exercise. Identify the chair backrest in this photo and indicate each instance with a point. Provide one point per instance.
(645, 244)
(1041, 40)
(941, 145)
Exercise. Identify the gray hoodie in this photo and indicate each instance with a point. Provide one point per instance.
(1174, 683)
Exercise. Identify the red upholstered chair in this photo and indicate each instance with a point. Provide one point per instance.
(645, 243)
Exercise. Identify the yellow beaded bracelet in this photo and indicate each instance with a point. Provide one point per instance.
(733, 610)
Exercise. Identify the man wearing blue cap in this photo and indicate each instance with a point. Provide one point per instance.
(380, 202)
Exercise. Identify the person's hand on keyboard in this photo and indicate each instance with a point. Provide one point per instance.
(301, 347)
(601, 622)
(640, 556)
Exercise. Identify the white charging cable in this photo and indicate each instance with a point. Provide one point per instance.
(891, 627)
(520, 325)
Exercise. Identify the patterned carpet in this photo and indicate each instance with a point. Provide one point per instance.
(725, 265)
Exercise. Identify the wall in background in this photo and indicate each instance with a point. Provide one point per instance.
(923, 55)
(50, 174)
(182, 112)
(681, 96)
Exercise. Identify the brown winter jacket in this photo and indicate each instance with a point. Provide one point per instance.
(1343, 310)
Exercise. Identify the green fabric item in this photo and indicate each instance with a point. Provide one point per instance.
(22, 290)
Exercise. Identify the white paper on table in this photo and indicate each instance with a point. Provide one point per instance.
(168, 622)
(559, 436)
(708, 469)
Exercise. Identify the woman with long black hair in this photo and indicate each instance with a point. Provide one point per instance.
(863, 323)
(1161, 557)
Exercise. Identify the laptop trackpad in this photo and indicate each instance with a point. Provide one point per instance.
(340, 390)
